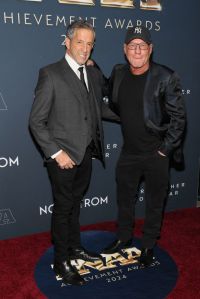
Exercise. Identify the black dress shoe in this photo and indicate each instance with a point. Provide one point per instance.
(68, 273)
(116, 246)
(83, 254)
(146, 257)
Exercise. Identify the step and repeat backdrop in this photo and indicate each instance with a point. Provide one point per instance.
(32, 34)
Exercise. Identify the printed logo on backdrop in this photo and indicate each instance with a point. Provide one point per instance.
(175, 190)
(3, 105)
(110, 148)
(6, 217)
(110, 23)
(186, 91)
(94, 201)
(49, 20)
(86, 203)
(9, 162)
(144, 4)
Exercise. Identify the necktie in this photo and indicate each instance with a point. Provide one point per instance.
(82, 77)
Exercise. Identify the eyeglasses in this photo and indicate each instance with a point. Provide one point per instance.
(141, 46)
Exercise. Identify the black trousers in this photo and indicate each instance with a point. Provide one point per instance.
(68, 187)
(130, 170)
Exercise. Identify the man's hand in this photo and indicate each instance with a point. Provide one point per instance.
(90, 62)
(64, 161)
(161, 154)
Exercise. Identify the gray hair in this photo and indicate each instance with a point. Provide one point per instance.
(79, 24)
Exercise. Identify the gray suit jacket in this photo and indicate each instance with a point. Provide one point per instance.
(58, 119)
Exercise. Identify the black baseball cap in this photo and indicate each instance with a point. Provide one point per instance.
(140, 32)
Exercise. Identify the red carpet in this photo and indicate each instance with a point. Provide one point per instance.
(180, 238)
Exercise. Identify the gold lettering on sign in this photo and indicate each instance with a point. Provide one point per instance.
(80, 2)
(118, 3)
(150, 4)
(144, 4)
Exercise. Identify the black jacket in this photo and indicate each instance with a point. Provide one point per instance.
(164, 110)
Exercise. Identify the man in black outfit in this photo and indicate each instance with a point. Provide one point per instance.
(66, 123)
(148, 98)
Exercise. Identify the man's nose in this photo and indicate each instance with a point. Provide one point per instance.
(84, 47)
(137, 50)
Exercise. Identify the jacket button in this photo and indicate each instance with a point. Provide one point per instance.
(85, 118)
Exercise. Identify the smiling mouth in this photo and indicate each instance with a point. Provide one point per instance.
(83, 56)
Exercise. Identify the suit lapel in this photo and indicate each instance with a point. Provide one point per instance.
(72, 80)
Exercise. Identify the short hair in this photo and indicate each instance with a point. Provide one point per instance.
(79, 24)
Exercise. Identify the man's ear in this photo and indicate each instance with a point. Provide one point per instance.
(67, 42)
(125, 49)
(151, 48)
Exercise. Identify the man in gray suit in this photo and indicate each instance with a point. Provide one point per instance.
(66, 123)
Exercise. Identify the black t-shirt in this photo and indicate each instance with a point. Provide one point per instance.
(137, 139)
